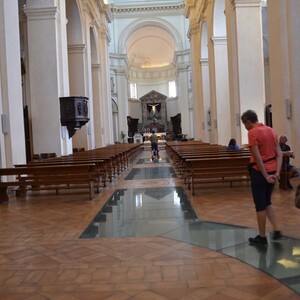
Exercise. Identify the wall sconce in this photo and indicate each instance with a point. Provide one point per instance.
(288, 109)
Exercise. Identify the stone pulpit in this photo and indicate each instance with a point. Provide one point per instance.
(154, 112)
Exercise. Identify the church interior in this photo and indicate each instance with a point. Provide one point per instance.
(85, 211)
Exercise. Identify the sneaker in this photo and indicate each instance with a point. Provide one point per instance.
(276, 235)
(258, 240)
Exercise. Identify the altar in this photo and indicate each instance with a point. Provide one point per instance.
(154, 112)
(154, 118)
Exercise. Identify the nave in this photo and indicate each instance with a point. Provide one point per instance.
(146, 237)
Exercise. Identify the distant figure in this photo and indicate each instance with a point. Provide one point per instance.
(154, 146)
(287, 167)
(232, 145)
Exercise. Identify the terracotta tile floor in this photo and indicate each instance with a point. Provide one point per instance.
(42, 256)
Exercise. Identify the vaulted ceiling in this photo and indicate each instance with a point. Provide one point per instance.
(150, 47)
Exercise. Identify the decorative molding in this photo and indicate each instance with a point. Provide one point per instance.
(164, 73)
(96, 67)
(246, 3)
(105, 34)
(106, 10)
(189, 7)
(77, 48)
(203, 62)
(194, 29)
(36, 14)
(219, 40)
(129, 10)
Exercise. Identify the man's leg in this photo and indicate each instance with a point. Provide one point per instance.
(270, 212)
(261, 221)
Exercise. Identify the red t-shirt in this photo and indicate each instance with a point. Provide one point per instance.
(266, 139)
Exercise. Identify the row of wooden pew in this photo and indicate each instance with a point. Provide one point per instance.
(92, 170)
(198, 163)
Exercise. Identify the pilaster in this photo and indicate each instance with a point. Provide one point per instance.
(44, 63)
(12, 139)
(247, 62)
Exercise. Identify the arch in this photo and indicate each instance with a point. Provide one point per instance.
(94, 50)
(149, 22)
(204, 41)
(74, 25)
(219, 18)
(115, 108)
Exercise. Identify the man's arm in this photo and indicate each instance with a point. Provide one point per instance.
(259, 161)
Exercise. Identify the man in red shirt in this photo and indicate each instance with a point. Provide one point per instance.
(264, 168)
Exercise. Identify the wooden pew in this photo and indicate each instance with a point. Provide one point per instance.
(216, 169)
(179, 154)
(181, 163)
(49, 178)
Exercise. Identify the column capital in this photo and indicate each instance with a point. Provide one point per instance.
(246, 3)
(96, 67)
(46, 13)
(193, 29)
(203, 62)
(219, 40)
(76, 48)
(105, 34)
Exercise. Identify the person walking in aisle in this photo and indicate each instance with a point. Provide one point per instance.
(264, 168)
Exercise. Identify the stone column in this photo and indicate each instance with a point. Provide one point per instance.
(206, 124)
(107, 124)
(96, 70)
(221, 91)
(293, 8)
(46, 74)
(122, 91)
(12, 139)
(246, 50)
(198, 105)
(183, 94)
(284, 49)
(77, 70)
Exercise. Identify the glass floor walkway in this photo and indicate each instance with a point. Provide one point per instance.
(167, 212)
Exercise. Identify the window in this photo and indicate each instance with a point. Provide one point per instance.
(133, 91)
(172, 89)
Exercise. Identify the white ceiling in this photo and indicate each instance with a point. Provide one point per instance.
(150, 47)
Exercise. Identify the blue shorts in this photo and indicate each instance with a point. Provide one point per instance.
(261, 190)
(154, 147)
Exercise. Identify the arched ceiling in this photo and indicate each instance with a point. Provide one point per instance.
(150, 47)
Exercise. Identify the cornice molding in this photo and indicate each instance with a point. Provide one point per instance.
(146, 9)
(219, 40)
(47, 13)
(246, 3)
(203, 61)
(105, 34)
(76, 48)
(96, 67)
(188, 7)
(163, 73)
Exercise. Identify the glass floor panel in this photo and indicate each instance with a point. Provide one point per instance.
(142, 212)
(167, 212)
(149, 161)
(151, 173)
